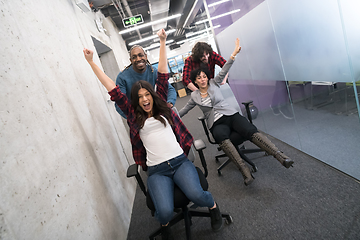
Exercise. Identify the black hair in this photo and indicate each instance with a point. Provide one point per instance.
(196, 72)
(160, 107)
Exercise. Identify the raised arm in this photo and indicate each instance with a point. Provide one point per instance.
(162, 83)
(104, 79)
(225, 69)
(162, 67)
(236, 50)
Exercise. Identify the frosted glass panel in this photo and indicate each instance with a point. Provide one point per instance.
(311, 40)
(300, 64)
(259, 58)
(350, 10)
(307, 37)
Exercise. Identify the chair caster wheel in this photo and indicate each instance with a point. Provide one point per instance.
(216, 159)
(228, 220)
(254, 169)
(219, 172)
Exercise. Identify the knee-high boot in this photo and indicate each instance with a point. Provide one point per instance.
(230, 150)
(264, 143)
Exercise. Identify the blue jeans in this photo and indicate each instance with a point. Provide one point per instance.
(162, 177)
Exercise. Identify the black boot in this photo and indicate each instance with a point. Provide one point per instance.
(216, 219)
(166, 233)
(230, 150)
(264, 143)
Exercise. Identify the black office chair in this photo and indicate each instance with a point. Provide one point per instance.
(235, 138)
(181, 202)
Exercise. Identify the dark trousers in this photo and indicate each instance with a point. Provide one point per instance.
(235, 127)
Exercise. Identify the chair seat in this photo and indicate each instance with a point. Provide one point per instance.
(180, 200)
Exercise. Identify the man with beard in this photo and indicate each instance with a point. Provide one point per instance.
(140, 69)
(202, 55)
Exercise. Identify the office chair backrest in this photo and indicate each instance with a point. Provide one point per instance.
(230, 97)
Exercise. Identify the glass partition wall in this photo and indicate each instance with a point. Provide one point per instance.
(300, 64)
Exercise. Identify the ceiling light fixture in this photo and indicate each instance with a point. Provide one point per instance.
(149, 24)
(151, 37)
(217, 3)
(218, 16)
(196, 33)
(192, 9)
(192, 38)
(156, 45)
(196, 38)
(202, 31)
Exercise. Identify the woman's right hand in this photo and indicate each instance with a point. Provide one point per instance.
(237, 47)
(88, 54)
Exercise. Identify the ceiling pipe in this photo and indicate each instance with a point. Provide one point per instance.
(189, 12)
(159, 9)
(119, 8)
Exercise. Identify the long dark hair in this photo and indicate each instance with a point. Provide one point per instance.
(160, 107)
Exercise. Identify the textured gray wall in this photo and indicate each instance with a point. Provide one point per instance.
(64, 150)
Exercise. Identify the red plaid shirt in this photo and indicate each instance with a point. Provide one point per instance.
(190, 65)
(183, 136)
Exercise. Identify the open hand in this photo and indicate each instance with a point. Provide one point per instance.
(88, 54)
(237, 46)
(162, 34)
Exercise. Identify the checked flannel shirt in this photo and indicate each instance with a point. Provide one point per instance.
(183, 136)
(190, 65)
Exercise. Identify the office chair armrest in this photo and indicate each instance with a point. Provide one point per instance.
(199, 146)
(202, 120)
(133, 171)
(247, 107)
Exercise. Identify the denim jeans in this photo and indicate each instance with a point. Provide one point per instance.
(161, 179)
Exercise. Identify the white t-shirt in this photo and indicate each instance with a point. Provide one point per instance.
(159, 141)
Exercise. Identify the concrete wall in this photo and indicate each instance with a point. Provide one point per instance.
(64, 150)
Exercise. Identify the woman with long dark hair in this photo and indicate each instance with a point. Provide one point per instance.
(160, 143)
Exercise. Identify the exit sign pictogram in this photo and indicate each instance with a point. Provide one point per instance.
(131, 21)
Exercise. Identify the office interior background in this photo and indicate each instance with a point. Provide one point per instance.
(65, 150)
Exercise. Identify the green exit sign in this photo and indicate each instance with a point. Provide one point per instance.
(131, 21)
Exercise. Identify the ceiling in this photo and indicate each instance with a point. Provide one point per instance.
(152, 10)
